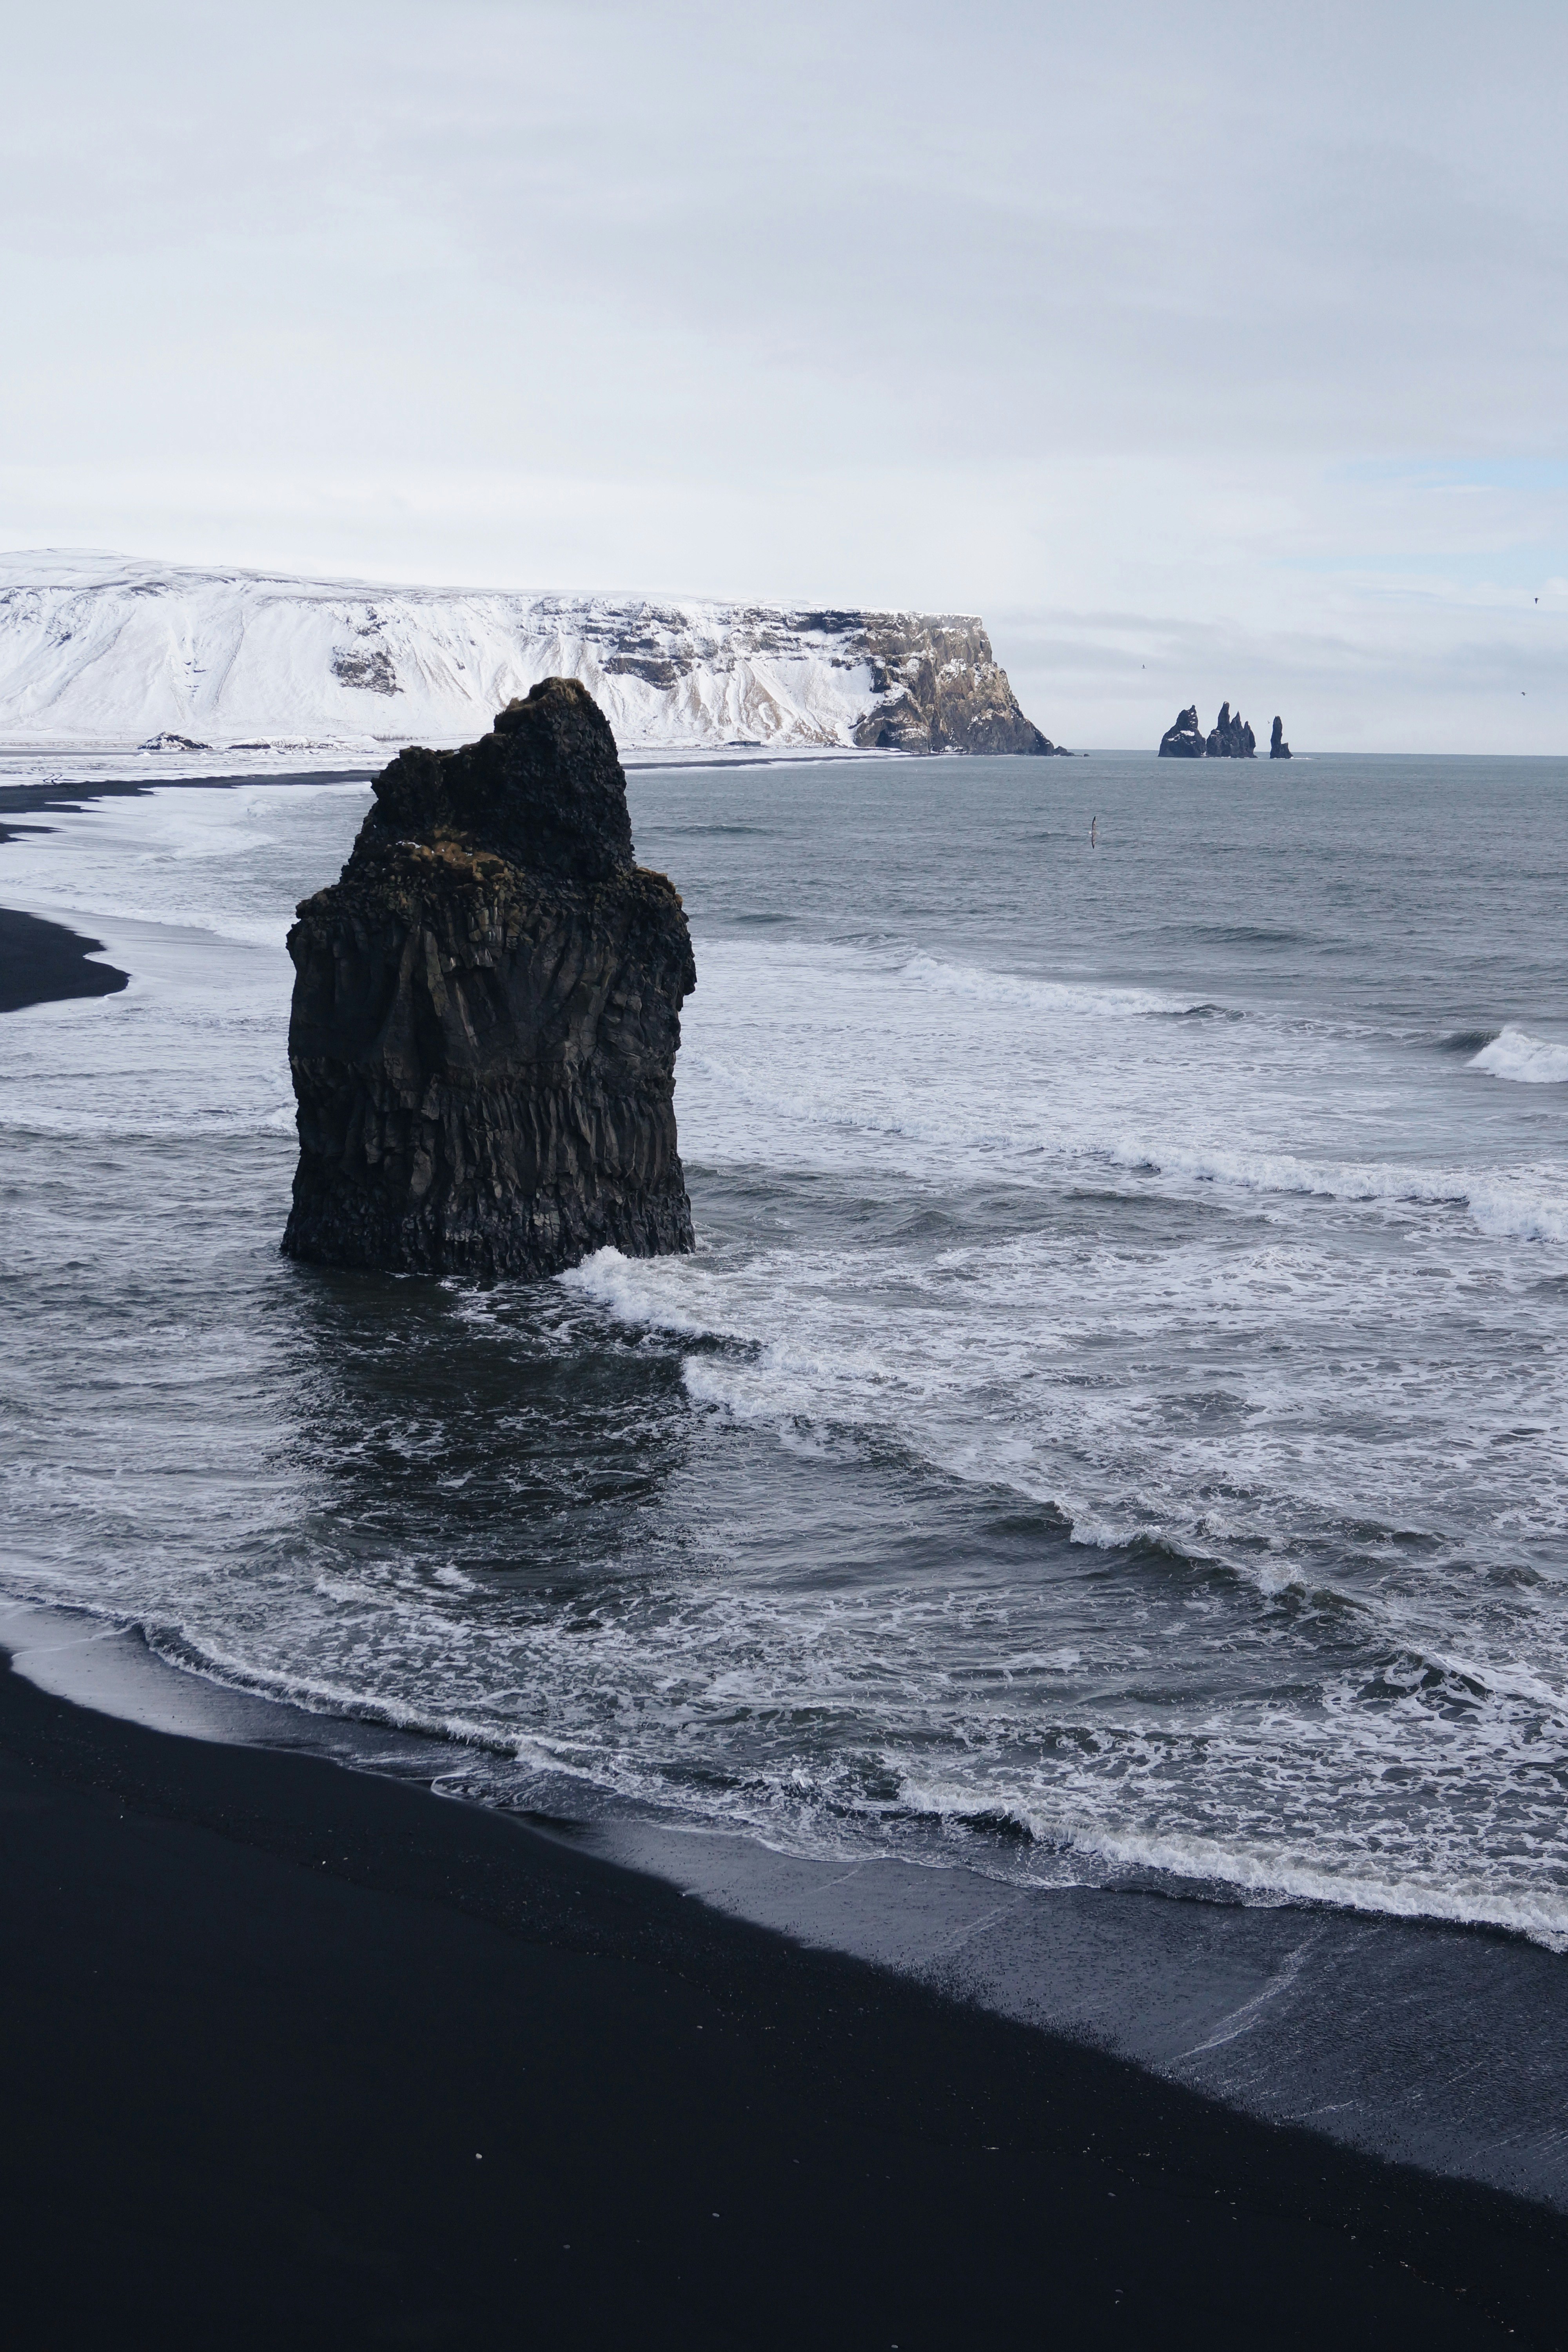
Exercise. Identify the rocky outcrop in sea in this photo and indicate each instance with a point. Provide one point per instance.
(1185, 739)
(486, 1009)
(1277, 746)
(1230, 738)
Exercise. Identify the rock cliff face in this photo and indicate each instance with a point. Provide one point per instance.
(104, 649)
(1185, 739)
(1277, 746)
(486, 1009)
(938, 687)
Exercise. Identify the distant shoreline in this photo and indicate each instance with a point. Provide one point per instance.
(65, 797)
(44, 962)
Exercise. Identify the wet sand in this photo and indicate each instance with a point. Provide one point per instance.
(43, 963)
(298, 2054)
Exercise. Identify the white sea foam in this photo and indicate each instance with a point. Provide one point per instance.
(190, 891)
(1529, 1061)
(1078, 1847)
(842, 1058)
(184, 857)
(1020, 990)
(1202, 1382)
(973, 1364)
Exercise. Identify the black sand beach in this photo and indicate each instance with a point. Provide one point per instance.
(298, 2054)
(22, 801)
(43, 963)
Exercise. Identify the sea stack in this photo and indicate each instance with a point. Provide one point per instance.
(1232, 737)
(1185, 740)
(486, 1009)
(1277, 746)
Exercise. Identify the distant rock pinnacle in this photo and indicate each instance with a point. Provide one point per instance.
(1229, 739)
(1185, 740)
(1232, 738)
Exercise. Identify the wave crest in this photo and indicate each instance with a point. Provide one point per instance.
(1528, 1061)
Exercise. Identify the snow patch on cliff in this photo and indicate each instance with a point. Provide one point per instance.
(103, 650)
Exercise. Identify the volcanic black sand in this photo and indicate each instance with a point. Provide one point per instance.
(296, 2055)
(42, 962)
(65, 797)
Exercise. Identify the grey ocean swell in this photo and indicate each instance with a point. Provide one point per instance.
(1114, 1428)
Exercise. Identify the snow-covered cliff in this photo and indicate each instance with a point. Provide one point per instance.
(101, 650)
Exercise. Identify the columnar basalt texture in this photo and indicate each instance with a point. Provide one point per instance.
(486, 1009)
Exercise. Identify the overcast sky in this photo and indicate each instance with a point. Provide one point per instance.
(1204, 351)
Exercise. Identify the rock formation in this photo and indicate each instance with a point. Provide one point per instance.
(106, 649)
(487, 1008)
(938, 687)
(1184, 741)
(1277, 746)
(1232, 738)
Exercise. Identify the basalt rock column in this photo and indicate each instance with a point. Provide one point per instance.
(486, 1009)
(1277, 746)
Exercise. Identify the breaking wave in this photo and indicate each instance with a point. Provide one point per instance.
(1120, 1420)
(1015, 989)
(1529, 1061)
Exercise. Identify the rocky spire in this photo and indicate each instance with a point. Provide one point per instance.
(486, 1009)
(1232, 737)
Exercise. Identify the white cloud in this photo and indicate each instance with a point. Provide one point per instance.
(1233, 321)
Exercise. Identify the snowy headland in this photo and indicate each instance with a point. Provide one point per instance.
(108, 652)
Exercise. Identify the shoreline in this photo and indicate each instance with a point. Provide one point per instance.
(1438, 2045)
(44, 962)
(1427, 2044)
(272, 2016)
(66, 798)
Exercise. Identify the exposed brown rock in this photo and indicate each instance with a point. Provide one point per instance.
(938, 687)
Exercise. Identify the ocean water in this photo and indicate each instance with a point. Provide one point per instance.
(1114, 1429)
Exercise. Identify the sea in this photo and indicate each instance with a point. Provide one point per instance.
(1111, 1437)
